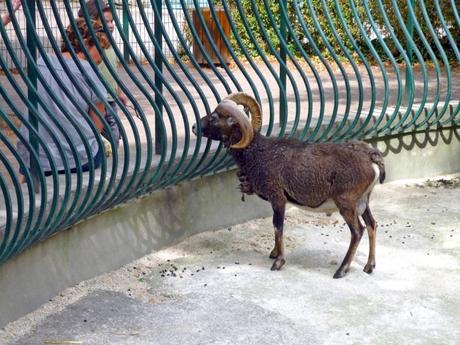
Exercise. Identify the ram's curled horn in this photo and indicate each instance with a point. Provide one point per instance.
(230, 109)
(247, 133)
(249, 102)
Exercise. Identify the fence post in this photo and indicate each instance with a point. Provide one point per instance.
(126, 30)
(158, 76)
(409, 52)
(283, 54)
(31, 93)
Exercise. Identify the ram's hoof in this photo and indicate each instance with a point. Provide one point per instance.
(278, 264)
(369, 268)
(273, 254)
(339, 274)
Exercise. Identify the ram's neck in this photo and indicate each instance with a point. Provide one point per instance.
(244, 157)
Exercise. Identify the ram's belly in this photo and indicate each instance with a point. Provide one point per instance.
(327, 207)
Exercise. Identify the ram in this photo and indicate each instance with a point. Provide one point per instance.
(323, 177)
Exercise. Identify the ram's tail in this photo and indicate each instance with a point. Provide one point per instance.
(373, 153)
(377, 158)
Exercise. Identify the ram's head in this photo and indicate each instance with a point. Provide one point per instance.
(229, 124)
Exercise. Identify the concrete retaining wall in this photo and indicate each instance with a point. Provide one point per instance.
(422, 154)
(130, 231)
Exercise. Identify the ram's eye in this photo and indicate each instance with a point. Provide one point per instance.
(230, 121)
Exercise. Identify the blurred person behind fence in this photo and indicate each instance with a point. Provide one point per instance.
(92, 8)
(77, 86)
(6, 19)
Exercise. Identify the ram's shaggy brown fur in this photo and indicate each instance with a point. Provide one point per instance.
(283, 171)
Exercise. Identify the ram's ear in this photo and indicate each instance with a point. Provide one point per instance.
(250, 103)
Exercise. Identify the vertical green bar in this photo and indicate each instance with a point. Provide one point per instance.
(126, 30)
(409, 51)
(32, 75)
(158, 76)
(283, 54)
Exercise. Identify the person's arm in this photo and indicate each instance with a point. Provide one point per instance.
(6, 17)
(121, 96)
(112, 59)
(97, 121)
(100, 127)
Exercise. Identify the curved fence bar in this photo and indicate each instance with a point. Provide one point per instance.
(97, 110)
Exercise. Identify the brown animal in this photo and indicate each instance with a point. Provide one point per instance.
(320, 177)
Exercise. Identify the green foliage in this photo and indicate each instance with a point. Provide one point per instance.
(329, 21)
(306, 15)
(391, 18)
(317, 22)
(247, 24)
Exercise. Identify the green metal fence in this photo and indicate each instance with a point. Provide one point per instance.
(322, 70)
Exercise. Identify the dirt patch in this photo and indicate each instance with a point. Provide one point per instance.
(442, 183)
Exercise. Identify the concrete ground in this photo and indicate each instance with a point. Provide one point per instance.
(217, 288)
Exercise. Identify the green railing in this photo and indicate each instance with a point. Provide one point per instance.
(322, 70)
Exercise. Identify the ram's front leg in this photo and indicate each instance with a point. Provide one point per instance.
(278, 252)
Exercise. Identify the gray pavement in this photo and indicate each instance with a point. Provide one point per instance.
(217, 288)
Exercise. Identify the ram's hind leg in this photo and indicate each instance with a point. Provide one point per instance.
(274, 253)
(371, 226)
(357, 229)
(278, 251)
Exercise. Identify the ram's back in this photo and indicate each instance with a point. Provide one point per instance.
(310, 173)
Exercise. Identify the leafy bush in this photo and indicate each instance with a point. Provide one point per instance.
(252, 17)
(431, 14)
